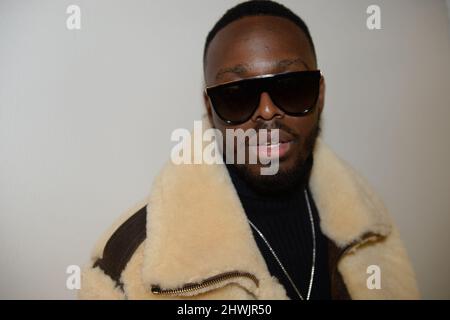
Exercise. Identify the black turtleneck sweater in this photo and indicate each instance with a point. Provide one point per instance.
(285, 223)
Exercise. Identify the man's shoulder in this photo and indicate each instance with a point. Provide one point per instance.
(121, 245)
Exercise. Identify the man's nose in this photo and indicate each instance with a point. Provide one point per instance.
(267, 110)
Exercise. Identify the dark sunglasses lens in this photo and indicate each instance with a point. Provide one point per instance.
(296, 93)
(234, 103)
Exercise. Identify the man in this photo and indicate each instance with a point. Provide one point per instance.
(312, 230)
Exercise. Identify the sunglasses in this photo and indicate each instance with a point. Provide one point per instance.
(295, 93)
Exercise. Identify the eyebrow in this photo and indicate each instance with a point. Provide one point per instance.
(241, 69)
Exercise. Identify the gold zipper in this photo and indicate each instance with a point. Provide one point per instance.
(189, 287)
(369, 237)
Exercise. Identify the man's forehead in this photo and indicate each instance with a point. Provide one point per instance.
(243, 70)
(254, 45)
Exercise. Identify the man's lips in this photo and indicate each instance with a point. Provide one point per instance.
(266, 148)
(271, 151)
(258, 139)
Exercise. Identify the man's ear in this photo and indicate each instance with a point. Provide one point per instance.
(321, 98)
(208, 107)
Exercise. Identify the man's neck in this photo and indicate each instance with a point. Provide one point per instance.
(245, 189)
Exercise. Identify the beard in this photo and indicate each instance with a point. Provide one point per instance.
(284, 181)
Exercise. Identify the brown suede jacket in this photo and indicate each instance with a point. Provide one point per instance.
(190, 240)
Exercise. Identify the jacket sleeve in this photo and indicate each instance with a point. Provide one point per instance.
(96, 285)
(95, 282)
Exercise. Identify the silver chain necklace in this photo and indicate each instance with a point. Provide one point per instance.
(313, 255)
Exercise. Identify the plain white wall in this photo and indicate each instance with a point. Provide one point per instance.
(86, 117)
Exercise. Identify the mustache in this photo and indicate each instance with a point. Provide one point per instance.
(276, 124)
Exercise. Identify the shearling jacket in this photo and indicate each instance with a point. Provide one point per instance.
(190, 240)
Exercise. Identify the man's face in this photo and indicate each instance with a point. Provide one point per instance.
(261, 45)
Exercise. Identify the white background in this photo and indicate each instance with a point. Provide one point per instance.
(86, 117)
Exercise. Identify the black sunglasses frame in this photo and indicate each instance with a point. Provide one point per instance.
(263, 80)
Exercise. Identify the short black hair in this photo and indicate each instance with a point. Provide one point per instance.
(256, 8)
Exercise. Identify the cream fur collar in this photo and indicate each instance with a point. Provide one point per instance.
(197, 227)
